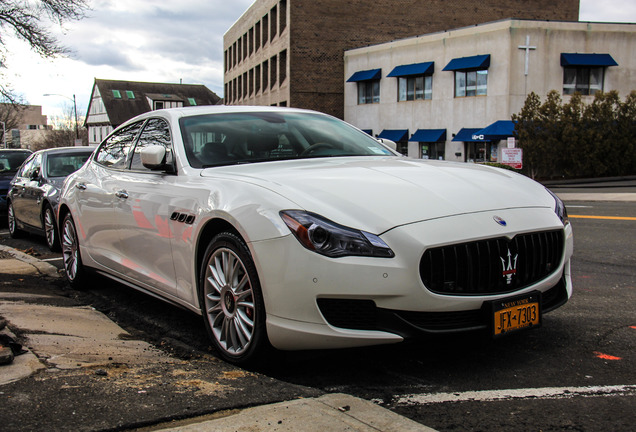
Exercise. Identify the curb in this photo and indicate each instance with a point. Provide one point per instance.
(40, 266)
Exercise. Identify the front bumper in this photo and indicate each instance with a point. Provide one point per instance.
(318, 302)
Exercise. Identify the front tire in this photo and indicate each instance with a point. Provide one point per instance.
(14, 231)
(50, 230)
(231, 300)
(73, 267)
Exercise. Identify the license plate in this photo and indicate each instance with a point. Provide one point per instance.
(516, 313)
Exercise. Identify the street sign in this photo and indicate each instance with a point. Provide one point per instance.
(512, 157)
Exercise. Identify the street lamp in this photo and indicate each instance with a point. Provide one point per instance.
(74, 109)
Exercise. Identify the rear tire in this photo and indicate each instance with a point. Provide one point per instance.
(73, 267)
(231, 300)
(50, 230)
(14, 231)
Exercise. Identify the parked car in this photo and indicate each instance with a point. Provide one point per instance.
(292, 228)
(35, 191)
(10, 162)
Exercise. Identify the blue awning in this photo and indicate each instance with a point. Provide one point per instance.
(426, 68)
(367, 75)
(465, 63)
(571, 59)
(499, 130)
(429, 135)
(394, 134)
(368, 131)
(468, 135)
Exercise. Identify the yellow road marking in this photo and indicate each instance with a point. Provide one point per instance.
(603, 217)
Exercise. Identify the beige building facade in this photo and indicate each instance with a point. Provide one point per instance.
(446, 87)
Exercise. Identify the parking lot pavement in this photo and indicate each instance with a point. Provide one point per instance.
(84, 372)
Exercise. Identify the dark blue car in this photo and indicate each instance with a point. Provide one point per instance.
(10, 162)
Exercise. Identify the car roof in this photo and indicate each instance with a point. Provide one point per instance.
(79, 149)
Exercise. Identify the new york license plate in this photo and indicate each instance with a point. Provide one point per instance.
(516, 313)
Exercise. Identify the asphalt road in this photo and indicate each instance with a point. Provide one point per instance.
(576, 372)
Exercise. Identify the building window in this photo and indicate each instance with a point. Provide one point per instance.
(116, 94)
(245, 46)
(265, 74)
(273, 24)
(272, 71)
(471, 83)
(433, 150)
(283, 15)
(368, 92)
(257, 79)
(584, 80)
(158, 105)
(257, 35)
(130, 94)
(251, 40)
(265, 30)
(192, 102)
(282, 57)
(415, 88)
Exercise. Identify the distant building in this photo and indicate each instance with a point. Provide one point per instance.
(290, 53)
(114, 102)
(450, 95)
(24, 125)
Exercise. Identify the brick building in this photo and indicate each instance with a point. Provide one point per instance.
(291, 53)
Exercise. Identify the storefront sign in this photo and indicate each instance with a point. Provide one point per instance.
(512, 157)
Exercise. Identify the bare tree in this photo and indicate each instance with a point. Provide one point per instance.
(10, 115)
(28, 20)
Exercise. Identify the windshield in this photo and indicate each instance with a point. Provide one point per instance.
(10, 161)
(225, 139)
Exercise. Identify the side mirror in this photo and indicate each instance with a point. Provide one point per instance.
(153, 157)
(387, 142)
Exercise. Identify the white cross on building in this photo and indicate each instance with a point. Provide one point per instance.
(527, 47)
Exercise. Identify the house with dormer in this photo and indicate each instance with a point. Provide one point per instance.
(113, 102)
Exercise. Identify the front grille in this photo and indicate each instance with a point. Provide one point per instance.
(492, 266)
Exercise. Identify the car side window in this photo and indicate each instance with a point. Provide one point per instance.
(26, 166)
(114, 151)
(156, 132)
(33, 168)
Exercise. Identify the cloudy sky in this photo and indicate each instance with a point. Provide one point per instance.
(161, 41)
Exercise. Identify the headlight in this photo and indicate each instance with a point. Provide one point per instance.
(559, 208)
(330, 239)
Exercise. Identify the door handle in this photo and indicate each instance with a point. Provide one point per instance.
(121, 194)
(81, 186)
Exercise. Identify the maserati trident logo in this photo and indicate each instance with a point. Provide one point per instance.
(509, 267)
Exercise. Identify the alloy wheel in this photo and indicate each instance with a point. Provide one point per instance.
(229, 301)
(49, 227)
(70, 249)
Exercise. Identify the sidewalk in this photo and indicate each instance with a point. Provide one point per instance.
(84, 372)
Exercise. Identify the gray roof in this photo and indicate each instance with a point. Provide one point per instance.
(123, 108)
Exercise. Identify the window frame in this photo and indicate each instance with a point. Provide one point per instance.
(134, 157)
(582, 82)
(406, 83)
(368, 92)
(464, 78)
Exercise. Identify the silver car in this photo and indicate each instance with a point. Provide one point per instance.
(34, 191)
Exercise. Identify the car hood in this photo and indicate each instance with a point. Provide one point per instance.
(378, 193)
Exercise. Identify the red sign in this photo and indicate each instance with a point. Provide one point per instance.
(512, 157)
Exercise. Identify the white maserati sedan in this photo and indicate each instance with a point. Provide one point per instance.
(292, 229)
